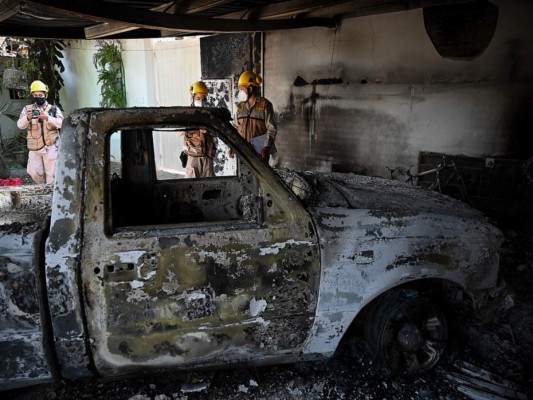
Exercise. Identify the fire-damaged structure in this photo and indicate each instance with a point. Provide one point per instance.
(121, 270)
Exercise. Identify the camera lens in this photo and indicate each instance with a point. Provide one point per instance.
(35, 113)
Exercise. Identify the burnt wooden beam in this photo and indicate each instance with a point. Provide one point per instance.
(284, 9)
(37, 32)
(100, 11)
(107, 29)
(193, 6)
(344, 8)
(110, 28)
(8, 8)
(358, 8)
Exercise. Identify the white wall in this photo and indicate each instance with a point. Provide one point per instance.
(414, 100)
(80, 76)
(139, 72)
(177, 66)
(158, 72)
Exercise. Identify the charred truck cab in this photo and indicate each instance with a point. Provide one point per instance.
(132, 268)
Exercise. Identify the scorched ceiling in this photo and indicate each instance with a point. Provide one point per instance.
(96, 19)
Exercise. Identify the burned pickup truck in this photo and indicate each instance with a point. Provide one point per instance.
(125, 267)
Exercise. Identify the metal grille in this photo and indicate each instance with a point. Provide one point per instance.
(495, 185)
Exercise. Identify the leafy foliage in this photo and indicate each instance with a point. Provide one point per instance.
(43, 61)
(45, 64)
(9, 111)
(108, 62)
(8, 146)
(9, 149)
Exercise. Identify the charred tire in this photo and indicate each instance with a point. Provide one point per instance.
(407, 331)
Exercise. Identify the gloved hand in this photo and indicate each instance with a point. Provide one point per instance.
(265, 153)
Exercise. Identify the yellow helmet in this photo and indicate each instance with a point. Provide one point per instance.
(38, 86)
(198, 87)
(249, 78)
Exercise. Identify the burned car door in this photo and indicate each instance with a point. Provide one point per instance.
(179, 272)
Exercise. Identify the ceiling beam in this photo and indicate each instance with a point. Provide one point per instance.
(285, 9)
(113, 28)
(8, 8)
(193, 6)
(100, 11)
(108, 29)
(360, 8)
(321, 8)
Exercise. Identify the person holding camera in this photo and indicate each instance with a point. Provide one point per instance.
(43, 122)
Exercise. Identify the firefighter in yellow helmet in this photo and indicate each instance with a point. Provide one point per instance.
(43, 122)
(198, 146)
(255, 119)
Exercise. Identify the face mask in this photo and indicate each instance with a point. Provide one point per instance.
(39, 100)
(242, 95)
(198, 103)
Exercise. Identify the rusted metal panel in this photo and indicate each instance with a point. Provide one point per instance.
(23, 355)
(276, 268)
(375, 235)
(23, 214)
(243, 288)
(63, 248)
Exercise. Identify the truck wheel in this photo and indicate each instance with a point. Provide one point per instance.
(407, 331)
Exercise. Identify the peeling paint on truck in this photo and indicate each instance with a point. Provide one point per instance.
(143, 274)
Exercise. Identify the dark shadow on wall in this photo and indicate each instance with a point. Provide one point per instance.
(518, 116)
(317, 134)
(520, 126)
(461, 31)
(341, 140)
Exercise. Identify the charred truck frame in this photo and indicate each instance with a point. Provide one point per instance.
(115, 271)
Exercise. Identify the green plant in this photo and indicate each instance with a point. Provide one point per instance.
(108, 62)
(44, 64)
(13, 153)
(7, 110)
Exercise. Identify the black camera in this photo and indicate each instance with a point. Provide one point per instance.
(35, 114)
(183, 158)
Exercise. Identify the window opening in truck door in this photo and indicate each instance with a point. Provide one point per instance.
(170, 152)
(145, 191)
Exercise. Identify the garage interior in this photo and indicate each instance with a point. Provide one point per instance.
(358, 86)
(382, 88)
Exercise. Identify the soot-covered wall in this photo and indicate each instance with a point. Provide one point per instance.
(375, 92)
(227, 56)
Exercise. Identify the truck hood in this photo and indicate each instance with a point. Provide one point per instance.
(332, 189)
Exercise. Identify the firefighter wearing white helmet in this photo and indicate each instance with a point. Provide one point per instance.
(255, 119)
(198, 146)
(42, 122)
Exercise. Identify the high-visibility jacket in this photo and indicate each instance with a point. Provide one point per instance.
(41, 133)
(256, 120)
(199, 144)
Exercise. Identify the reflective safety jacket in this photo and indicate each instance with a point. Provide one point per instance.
(41, 133)
(256, 120)
(199, 144)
